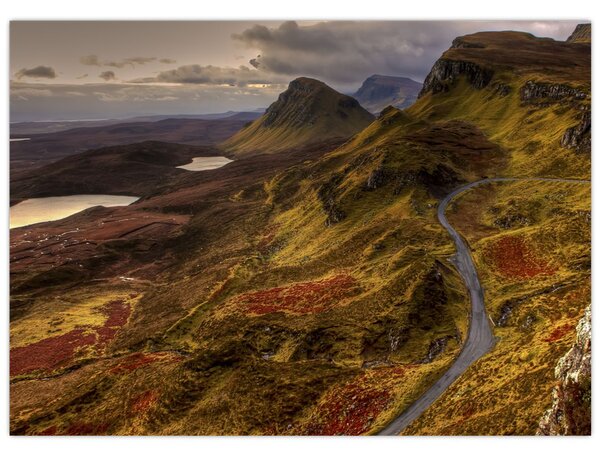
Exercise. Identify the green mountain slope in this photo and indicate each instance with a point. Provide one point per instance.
(308, 112)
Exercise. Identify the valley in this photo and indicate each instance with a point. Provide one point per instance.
(325, 271)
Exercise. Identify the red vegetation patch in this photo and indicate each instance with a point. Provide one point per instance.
(52, 430)
(144, 401)
(117, 313)
(300, 298)
(51, 353)
(138, 360)
(468, 410)
(559, 332)
(352, 408)
(513, 258)
(85, 428)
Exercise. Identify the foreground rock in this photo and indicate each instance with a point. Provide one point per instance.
(571, 399)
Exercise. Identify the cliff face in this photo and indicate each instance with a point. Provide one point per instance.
(571, 398)
(543, 72)
(577, 137)
(444, 72)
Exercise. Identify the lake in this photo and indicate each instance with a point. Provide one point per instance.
(204, 163)
(39, 210)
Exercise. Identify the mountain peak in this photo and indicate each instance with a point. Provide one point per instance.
(308, 111)
(379, 91)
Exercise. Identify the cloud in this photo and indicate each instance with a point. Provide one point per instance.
(108, 75)
(346, 52)
(94, 60)
(41, 71)
(213, 75)
(35, 101)
(26, 93)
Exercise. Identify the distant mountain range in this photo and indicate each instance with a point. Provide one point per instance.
(380, 91)
(47, 127)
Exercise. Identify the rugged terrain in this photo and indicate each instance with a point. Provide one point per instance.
(379, 91)
(306, 287)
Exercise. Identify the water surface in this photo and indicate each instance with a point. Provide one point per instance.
(204, 163)
(39, 210)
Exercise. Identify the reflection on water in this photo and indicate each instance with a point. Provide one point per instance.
(39, 210)
(205, 163)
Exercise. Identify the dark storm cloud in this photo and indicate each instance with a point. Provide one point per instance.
(94, 60)
(108, 75)
(41, 71)
(210, 74)
(347, 52)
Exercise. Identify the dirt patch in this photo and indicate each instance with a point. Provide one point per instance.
(513, 258)
(300, 298)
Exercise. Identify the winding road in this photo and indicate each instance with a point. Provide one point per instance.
(480, 339)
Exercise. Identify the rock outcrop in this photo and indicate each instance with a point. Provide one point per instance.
(579, 137)
(534, 91)
(445, 72)
(571, 398)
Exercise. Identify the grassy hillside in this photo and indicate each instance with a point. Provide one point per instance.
(531, 242)
(310, 292)
(308, 112)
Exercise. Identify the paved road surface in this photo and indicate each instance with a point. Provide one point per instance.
(480, 339)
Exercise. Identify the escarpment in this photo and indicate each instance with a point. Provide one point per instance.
(445, 72)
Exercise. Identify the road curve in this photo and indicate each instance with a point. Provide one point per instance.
(480, 339)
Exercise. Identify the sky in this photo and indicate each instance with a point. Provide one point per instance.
(116, 69)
